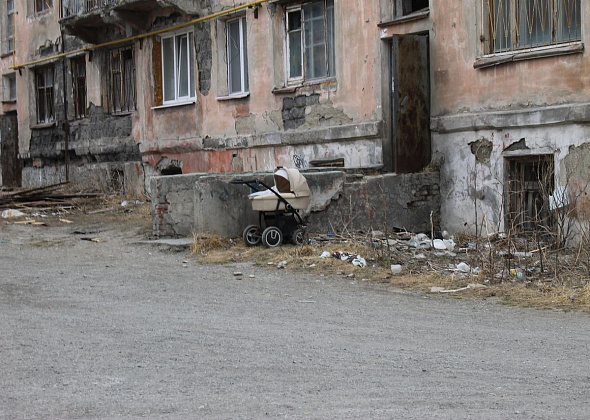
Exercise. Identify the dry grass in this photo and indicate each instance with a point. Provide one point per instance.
(417, 275)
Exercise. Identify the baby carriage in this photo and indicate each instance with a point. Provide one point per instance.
(278, 208)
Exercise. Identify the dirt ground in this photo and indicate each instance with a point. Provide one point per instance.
(95, 323)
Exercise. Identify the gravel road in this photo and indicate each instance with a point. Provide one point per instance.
(120, 330)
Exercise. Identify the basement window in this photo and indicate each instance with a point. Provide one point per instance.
(530, 183)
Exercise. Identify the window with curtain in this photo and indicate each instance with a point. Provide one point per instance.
(44, 94)
(178, 68)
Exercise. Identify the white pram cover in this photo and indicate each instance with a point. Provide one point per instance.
(290, 185)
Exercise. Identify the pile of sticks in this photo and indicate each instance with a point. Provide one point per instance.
(48, 198)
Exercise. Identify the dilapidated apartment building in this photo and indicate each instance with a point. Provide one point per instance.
(494, 93)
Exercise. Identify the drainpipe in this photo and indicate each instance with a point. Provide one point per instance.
(65, 125)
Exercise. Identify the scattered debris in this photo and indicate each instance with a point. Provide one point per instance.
(396, 268)
(91, 239)
(11, 213)
(436, 289)
(237, 273)
(45, 198)
(65, 221)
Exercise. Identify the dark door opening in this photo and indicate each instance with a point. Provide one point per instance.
(11, 165)
(410, 102)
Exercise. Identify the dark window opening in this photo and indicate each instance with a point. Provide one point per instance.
(171, 170)
(79, 85)
(44, 94)
(121, 83)
(530, 183)
(411, 6)
(41, 5)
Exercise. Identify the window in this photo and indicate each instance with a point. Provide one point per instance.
(41, 5)
(519, 24)
(530, 183)
(10, 25)
(79, 84)
(44, 94)
(405, 7)
(178, 68)
(121, 90)
(237, 56)
(310, 41)
(9, 88)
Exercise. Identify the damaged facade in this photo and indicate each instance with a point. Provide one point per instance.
(491, 92)
(164, 88)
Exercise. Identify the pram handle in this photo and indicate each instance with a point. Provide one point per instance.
(243, 181)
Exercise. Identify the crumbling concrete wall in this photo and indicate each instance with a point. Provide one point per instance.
(173, 204)
(383, 202)
(338, 203)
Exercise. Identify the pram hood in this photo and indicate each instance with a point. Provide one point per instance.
(290, 180)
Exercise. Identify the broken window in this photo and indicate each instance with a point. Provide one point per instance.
(237, 56)
(530, 183)
(121, 83)
(44, 94)
(41, 5)
(405, 7)
(178, 68)
(79, 86)
(9, 26)
(310, 41)
(519, 24)
(9, 88)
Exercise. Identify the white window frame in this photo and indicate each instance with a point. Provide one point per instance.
(242, 60)
(10, 26)
(190, 68)
(328, 42)
(9, 80)
(512, 26)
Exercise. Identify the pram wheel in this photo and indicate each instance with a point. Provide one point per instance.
(298, 237)
(252, 235)
(272, 236)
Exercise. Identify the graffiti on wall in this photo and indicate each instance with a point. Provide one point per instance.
(300, 162)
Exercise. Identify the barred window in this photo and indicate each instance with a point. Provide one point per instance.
(519, 24)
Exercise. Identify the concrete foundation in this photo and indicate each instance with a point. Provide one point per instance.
(183, 204)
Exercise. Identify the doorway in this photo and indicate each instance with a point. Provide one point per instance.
(11, 165)
(410, 102)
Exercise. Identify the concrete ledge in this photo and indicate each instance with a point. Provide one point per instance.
(486, 120)
(291, 138)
